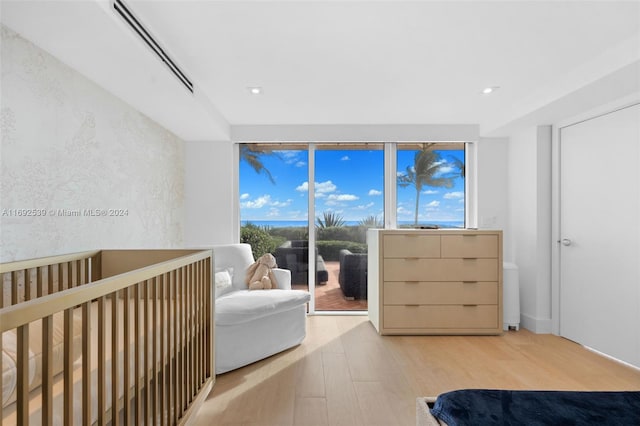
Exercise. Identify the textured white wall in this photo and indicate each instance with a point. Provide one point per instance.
(69, 145)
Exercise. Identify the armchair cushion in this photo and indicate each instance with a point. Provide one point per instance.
(223, 281)
(283, 278)
(243, 306)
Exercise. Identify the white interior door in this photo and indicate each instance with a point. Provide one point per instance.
(600, 234)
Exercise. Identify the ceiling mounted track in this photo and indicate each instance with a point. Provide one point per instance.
(133, 22)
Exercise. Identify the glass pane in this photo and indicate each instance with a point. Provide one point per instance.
(430, 189)
(349, 198)
(274, 207)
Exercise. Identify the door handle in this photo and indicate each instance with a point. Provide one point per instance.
(566, 242)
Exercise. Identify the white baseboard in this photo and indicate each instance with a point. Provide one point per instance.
(536, 325)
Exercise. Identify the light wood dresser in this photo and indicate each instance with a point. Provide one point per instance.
(435, 281)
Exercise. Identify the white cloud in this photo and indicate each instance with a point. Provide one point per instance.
(282, 203)
(461, 201)
(343, 197)
(301, 164)
(325, 187)
(430, 192)
(434, 203)
(257, 203)
(321, 187)
(244, 196)
(339, 199)
(453, 195)
(445, 169)
(345, 158)
(364, 206)
(374, 192)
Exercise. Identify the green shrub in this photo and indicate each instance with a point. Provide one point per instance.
(330, 250)
(259, 238)
(290, 233)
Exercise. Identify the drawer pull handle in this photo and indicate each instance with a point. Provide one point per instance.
(469, 305)
(413, 305)
(412, 282)
(411, 258)
(469, 282)
(469, 258)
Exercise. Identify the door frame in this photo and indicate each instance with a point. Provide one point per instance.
(556, 164)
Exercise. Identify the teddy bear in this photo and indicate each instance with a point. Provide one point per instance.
(260, 275)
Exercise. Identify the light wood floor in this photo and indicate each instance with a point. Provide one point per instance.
(345, 374)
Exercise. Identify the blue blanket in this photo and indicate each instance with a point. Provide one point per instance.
(483, 407)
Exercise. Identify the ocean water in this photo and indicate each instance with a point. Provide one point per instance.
(303, 223)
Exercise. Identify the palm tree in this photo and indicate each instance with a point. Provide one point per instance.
(252, 156)
(458, 165)
(329, 219)
(371, 221)
(424, 173)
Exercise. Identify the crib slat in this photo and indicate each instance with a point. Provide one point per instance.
(1, 351)
(86, 364)
(136, 352)
(183, 341)
(68, 366)
(47, 370)
(189, 327)
(163, 357)
(127, 364)
(39, 282)
(154, 348)
(22, 401)
(196, 337)
(14, 287)
(102, 392)
(115, 370)
(173, 327)
(61, 276)
(50, 279)
(27, 284)
(147, 379)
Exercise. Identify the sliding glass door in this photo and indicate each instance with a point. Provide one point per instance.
(349, 198)
(274, 205)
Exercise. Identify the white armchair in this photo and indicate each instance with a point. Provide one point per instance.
(252, 325)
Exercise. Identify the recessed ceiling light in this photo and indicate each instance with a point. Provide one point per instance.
(490, 89)
(255, 90)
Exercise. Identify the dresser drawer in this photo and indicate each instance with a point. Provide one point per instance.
(413, 269)
(470, 245)
(408, 245)
(440, 293)
(443, 316)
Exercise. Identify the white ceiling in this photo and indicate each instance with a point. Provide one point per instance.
(348, 62)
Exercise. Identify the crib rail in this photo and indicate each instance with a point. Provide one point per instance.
(28, 279)
(146, 352)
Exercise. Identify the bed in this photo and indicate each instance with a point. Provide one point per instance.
(106, 337)
(523, 407)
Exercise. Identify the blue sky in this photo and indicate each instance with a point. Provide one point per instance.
(348, 182)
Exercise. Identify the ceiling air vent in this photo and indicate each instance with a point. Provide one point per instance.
(139, 29)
